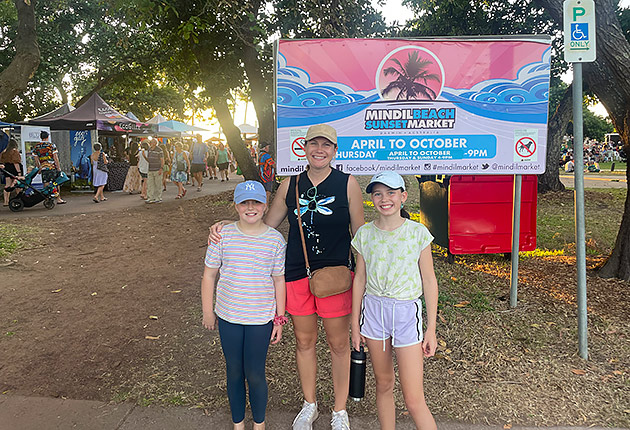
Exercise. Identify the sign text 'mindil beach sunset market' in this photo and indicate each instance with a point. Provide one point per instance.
(455, 105)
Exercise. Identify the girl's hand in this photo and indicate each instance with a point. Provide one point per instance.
(357, 340)
(210, 321)
(276, 334)
(429, 344)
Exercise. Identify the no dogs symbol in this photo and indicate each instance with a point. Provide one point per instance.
(525, 145)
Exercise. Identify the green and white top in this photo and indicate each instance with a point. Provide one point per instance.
(391, 259)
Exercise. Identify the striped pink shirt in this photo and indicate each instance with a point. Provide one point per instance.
(245, 291)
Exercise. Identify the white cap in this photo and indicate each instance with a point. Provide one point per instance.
(388, 178)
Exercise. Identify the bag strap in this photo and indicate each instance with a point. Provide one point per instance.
(297, 204)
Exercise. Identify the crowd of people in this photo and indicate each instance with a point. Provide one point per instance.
(595, 152)
(152, 164)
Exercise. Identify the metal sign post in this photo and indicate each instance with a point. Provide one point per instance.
(579, 47)
(516, 232)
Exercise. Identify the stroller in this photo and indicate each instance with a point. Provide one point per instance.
(28, 196)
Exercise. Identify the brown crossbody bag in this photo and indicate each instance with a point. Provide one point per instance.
(326, 281)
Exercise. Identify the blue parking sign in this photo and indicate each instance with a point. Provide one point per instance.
(579, 31)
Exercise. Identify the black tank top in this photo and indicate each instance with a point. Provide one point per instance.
(326, 223)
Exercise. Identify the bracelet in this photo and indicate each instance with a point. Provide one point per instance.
(280, 320)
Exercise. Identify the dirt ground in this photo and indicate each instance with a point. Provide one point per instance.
(106, 306)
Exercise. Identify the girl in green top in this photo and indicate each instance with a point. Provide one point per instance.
(394, 268)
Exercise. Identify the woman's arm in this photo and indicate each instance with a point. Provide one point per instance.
(208, 282)
(358, 289)
(430, 291)
(355, 203)
(278, 209)
(281, 300)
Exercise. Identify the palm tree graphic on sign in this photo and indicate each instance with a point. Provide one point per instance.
(411, 79)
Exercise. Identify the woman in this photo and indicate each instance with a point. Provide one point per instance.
(143, 167)
(332, 209)
(99, 172)
(133, 180)
(166, 169)
(223, 161)
(12, 161)
(180, 170)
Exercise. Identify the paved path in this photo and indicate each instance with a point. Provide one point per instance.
(596, 180)
(30, 413)
(81, 202)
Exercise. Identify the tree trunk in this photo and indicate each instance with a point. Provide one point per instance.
(15, 78)
(617, 264)
(607, 77)
(261, 96)
(550, 180)
(233, 135)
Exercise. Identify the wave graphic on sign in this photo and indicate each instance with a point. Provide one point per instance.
(301, 102)
(523, 99)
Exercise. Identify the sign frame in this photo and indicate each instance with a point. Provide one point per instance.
(468, 147)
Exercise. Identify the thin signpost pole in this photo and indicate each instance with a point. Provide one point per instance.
(516, 231)
(580, 247)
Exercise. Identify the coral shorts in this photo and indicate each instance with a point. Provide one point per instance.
(300, 301)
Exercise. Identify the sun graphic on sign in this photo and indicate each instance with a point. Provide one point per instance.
(410, 73)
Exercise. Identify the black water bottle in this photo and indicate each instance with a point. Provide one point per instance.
(358, 361)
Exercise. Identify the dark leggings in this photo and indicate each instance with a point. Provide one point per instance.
(245, 349)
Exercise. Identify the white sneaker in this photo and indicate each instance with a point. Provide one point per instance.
(304, 420)
(340, 421)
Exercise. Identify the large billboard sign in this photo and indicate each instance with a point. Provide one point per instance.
(454, 105)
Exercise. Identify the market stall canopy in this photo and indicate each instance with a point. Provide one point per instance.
(132, 116)
(180, 126)
(6, 124)
(248, 129)
(60, 111)
(95, 113)
(162, 130)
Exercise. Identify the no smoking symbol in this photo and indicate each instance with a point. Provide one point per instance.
(297, 147)
(525, 147)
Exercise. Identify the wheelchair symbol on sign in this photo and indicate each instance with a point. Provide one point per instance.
(579, 31)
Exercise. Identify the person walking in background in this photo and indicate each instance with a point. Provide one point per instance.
(100, 172)
(267, 167)
(143, 167)
(180, 169)
(250, 299)
(223, 162)
(394, 268)
(47, 160)
(155, 156)
(211, 161)
(133, 181)
(167, 164)
(12, 162)
(198, 163)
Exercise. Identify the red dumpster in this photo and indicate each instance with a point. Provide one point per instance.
(473, 214)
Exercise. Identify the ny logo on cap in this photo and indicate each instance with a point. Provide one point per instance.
(250, 187)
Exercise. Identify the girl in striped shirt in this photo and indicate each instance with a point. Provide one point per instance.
(250, 299)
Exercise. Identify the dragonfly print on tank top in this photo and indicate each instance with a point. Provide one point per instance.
(310, 203)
